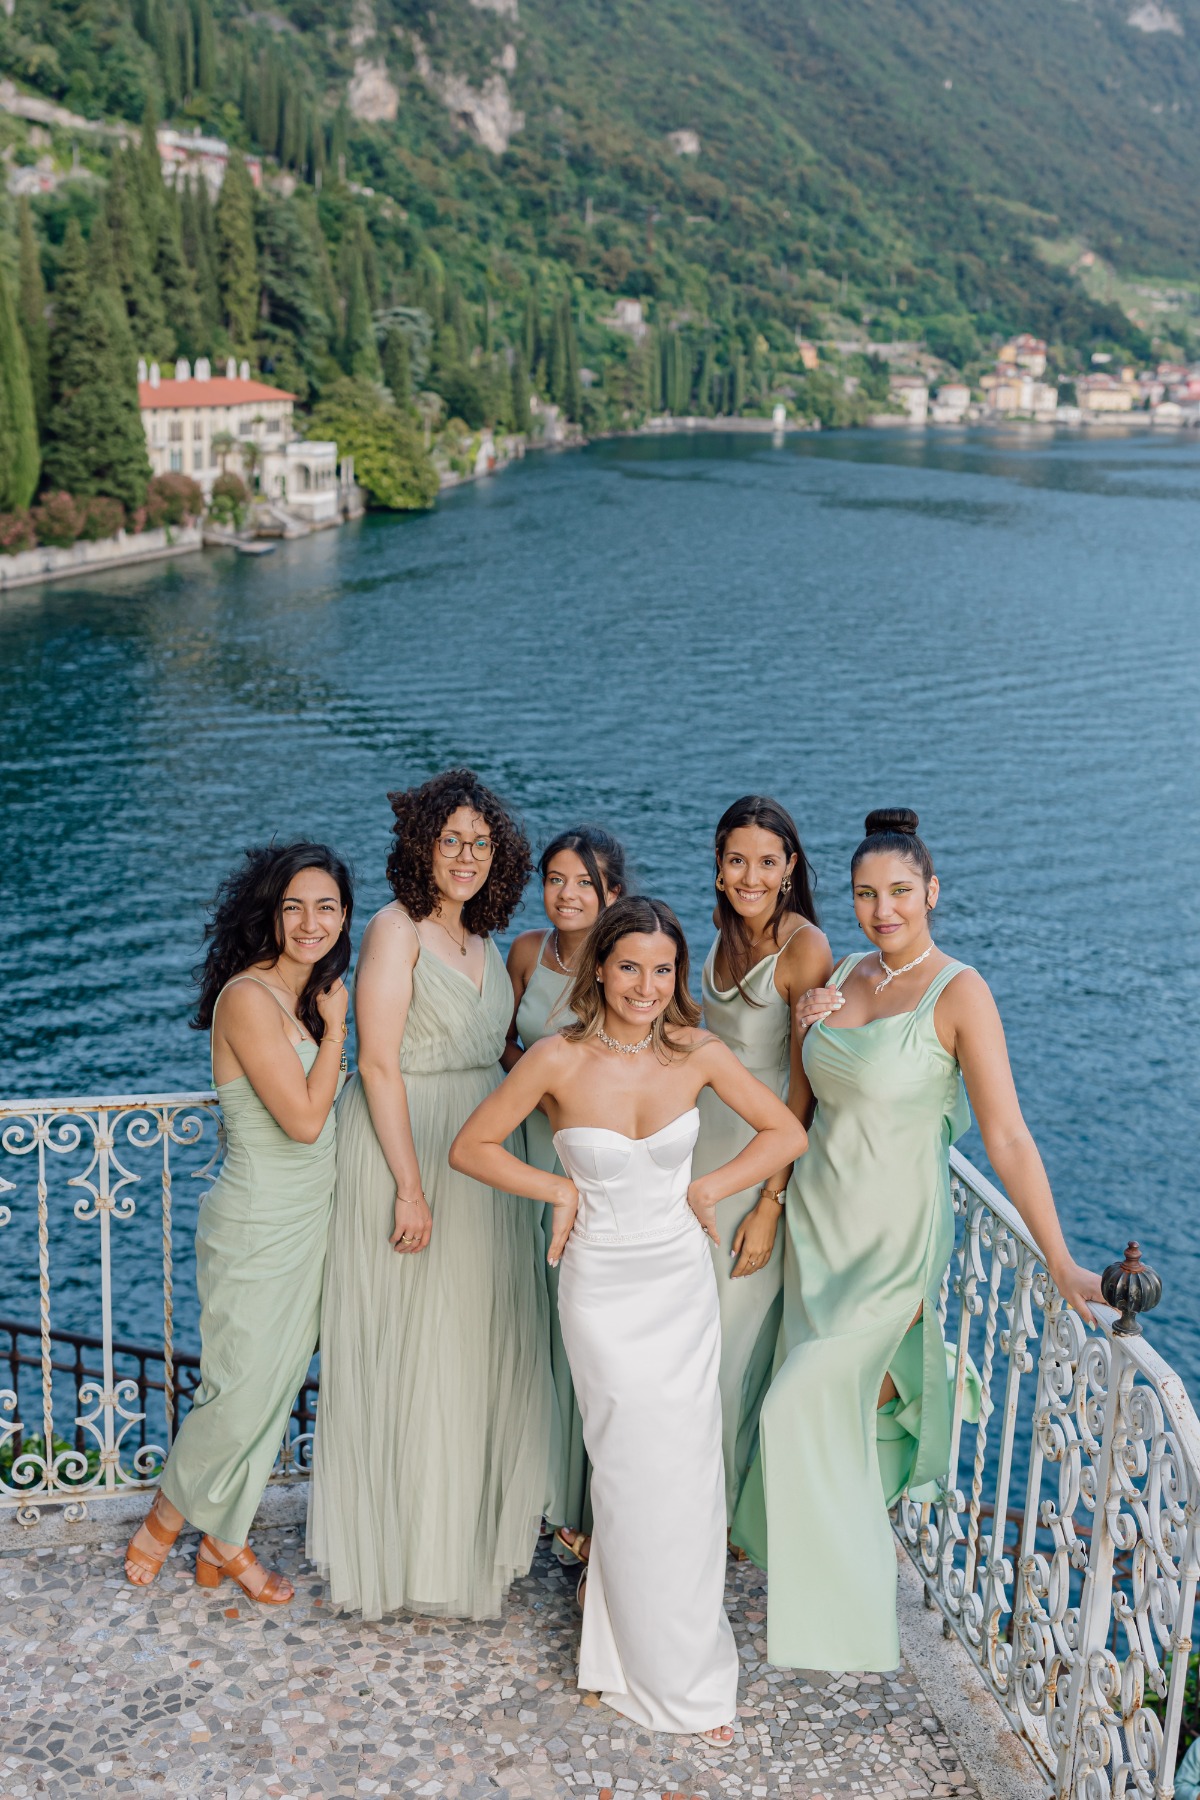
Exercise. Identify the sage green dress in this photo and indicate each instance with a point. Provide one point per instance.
(433, 1431)
(260, 1257)
(870, 1229)
(760, 1037)
(541, 1013)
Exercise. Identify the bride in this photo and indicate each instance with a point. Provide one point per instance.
(638, 1301)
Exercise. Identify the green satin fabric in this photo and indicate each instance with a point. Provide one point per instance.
(760, 1037)
(568, 1502)
(870, 1230)
(260, 1258)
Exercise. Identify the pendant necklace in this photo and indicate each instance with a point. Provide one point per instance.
(558, 959)
(624, 1049)
(889, 975)
(461, 948)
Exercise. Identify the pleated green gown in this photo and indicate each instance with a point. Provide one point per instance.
(760, 1037)
(542, 1012)
(870, 1229)
(433, 1432)
(260, 1258)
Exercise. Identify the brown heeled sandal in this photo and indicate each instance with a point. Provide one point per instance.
(213, 1569)
(142, 1560)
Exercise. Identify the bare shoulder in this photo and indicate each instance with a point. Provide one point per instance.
(805, 959)
(392, 934)
(967, 995)
(697, 1040)
(523, 953)
(247, 1005)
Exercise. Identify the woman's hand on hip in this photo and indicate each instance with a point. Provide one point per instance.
(566, 1205)
(816, 1004)
(754, 1239)
(413, 1224)
(704, 1208)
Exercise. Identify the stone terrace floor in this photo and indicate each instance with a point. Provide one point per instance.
(106, 1691)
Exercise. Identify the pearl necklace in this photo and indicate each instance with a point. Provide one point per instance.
(889, 975)
(625, 1049)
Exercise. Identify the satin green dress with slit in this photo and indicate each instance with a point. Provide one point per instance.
(542, 1012)
(760, 1037)
(870, 1230)
(260, 1259)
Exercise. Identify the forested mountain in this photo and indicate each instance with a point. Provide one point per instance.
(455, 194)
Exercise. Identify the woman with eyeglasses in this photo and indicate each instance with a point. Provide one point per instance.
(432, 1442)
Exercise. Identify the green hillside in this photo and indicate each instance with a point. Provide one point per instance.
(455, 195)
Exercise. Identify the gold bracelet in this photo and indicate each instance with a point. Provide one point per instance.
(777, 1194)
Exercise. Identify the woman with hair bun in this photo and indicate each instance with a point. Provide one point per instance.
(432, 1441)
(582, 871)
(769, 950)
(272, 995)
(859, 1409)
(638, 1302)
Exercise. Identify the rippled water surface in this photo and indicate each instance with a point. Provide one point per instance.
(999, 630)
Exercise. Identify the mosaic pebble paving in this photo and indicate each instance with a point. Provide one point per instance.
(178, 1692)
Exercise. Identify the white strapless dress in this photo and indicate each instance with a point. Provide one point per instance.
(637, 1300)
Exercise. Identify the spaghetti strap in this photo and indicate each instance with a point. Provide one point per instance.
(236, 980)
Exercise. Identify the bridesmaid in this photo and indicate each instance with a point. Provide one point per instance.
(639, 1304)
(432, 1442)
(768, 952)
(272, 996)
(859, 1409)
(582, 871)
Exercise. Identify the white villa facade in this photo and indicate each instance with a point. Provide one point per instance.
(198, 423)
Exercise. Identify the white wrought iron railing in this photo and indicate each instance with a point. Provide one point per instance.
(1063, 1550)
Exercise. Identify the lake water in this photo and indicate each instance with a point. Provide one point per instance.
(998, 629)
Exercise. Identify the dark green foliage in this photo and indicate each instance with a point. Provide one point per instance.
(294, 329)
(58, 520)
(31, 308)
(18, 414)
(71, 292)
(101, 517)
(230, 498)
(466, 397)
(389, 460)
(520, 392)
(237, 257)
(173, 499)
(16, 533)
(198, 238)
(177, 285)
(131, 214)
(96, 442)
(397, 366)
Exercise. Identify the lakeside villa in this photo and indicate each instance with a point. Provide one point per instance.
(199, 424)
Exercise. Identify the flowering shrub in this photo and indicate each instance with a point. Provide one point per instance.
(16, 533)
(173, 500)
(58, 520)
(230, 497)
(102, 517)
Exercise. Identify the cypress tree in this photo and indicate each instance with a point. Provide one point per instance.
(237, 260)
(101, 263)
(31, 307)
(69, 298)
(133, 254)
(165, 39)
(520, 391)
(151, 188)
(97, 444)
(574, 391)
(359, 355)
(206, 48)
(18, 413)
(197, 236)
(705, 383)
(178, 286)
(397, 366)
(339, 143)
(530, 330)
(654, 371)
(737, 383)
(186, 39)
(556, 360)
(316, 149)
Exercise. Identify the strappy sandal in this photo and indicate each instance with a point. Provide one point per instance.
(142, 1560)
(213, 1569)
(566, 1551)
(715, 1741)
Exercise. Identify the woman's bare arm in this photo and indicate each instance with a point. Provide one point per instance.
(967, 1011)
(252, 1026)
(383, 994)
(523, 953)
(480, 1149)
(779, 1136)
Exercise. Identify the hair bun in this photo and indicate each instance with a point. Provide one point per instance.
(899, 819)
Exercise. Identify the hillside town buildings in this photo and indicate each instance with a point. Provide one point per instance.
(200, 424)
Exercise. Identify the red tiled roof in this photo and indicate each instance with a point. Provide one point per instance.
(219, 391)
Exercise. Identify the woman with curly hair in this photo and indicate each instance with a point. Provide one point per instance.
(432, 1445)
(272, 995)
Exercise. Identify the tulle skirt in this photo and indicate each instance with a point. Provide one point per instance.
(432, 1445)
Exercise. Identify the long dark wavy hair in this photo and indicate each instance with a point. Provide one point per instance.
(734, 938)
(421, 813)
(602, 855)
(586, 998)
(245, 926)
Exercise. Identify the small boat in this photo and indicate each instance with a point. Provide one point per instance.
(255, 547)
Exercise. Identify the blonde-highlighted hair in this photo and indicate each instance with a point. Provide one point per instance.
(621, 918)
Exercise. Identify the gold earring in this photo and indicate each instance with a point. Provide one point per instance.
(785, 886)
(720, 882)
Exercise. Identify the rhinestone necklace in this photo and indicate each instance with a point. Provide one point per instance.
(624, 1049)
(565, 967)
(889, 975)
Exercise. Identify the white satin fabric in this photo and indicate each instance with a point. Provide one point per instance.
(637, 1301)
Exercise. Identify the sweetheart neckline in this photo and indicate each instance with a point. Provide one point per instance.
(624, 1136)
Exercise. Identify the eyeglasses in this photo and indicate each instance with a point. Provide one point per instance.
(452, 846)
